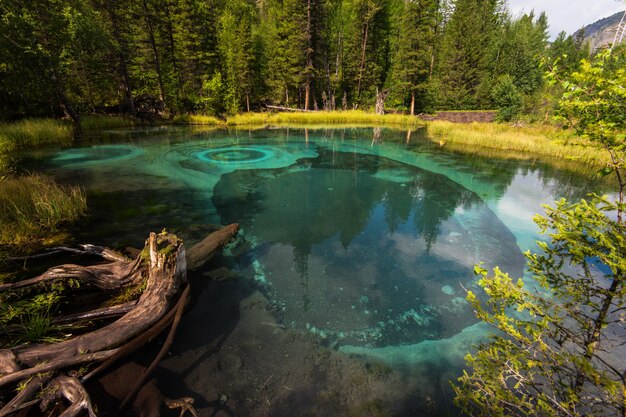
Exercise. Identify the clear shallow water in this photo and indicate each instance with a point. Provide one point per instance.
(366, 242)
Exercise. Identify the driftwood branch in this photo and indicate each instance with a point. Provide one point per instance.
(71, 389)
(166, 345)
(87, 249)
(202, 252)
(163, 269)
(107, 276)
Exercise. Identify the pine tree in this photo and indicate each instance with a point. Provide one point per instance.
(413, 53)
(468, 43)
(285, 46)
(235, 42)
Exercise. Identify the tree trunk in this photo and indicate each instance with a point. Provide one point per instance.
(412, 103)
(170, 33)
(68, 108)
(380, 101)
(362, 66)
(155, 51)
(309, 59)
(128, 91)
(164, 263)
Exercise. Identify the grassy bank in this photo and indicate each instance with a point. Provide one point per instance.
(34, 205)
(31, 133)
(197, 119)
(346, 118)
(531, 142)
(98, 122)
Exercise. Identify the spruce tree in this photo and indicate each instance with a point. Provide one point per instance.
(235, 43)
(413, 52)
(468, 43)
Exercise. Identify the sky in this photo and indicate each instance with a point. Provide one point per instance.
(568, 15)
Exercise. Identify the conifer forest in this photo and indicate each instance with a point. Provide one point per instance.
(72, 57)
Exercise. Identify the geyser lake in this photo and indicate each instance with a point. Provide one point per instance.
(361, 241)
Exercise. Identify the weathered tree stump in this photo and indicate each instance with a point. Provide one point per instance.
(51, 368)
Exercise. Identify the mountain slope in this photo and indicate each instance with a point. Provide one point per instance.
(602, 32)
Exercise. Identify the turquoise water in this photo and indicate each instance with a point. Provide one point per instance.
(365, 241)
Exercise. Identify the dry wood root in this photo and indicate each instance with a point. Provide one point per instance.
(50, 368)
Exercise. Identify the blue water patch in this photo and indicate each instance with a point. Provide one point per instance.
(97, 155)
(359, 249)
(362, 244)
(237, 155)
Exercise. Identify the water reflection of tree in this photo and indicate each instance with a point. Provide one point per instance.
(337, 197)
(439, 198)
(301, 261)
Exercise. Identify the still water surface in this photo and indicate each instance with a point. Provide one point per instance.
(362, 239)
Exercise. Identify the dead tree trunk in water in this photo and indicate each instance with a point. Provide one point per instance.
(161, 267)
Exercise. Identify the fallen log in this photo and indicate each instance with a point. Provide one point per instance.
(161, 268)
(202, 252)
(281, 108)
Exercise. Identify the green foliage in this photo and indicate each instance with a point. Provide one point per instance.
(413, 53)
(6, 148)
(594, 104)
(470, 37)
(34, 205)
(553, 355)
(285, 42)
(520, 44)
(26, 318)
(212, 97)
(594, 99)
(569, 51)
(83, 57)
(558, 350)
(235, 42)
(507, 98)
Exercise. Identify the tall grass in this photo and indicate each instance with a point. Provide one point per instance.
(35, 132)
(350, 118)
(34, 205)
(98, 122)
(6, 148)
(518, 142)
(197, 119)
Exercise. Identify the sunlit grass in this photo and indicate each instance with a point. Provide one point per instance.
(197, 119)
(347, 118)
(528, 142)
(30, 133)
(6, 148)
(33, 206)
(99, 122)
